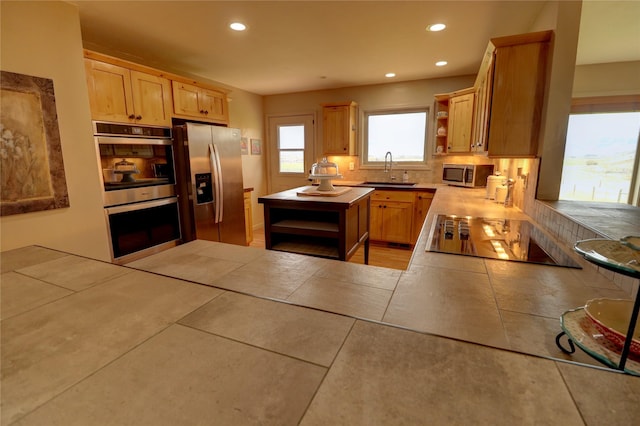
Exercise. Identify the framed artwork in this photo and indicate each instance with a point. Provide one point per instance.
(256, 147)
(32, 173)
(244, 146)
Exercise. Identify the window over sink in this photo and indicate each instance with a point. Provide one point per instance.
(401, 132)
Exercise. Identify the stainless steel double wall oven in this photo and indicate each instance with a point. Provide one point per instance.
(138, 176)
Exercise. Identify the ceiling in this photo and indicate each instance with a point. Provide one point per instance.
(293, 46)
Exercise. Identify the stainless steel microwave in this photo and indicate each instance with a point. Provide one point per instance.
(470, 175)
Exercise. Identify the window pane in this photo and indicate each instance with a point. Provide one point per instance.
(291, 161)
(403, 134)
(291, 137)
(599, 157)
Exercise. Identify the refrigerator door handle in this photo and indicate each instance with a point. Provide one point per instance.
(214, 157)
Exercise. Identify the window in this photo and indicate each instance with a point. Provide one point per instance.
(291, 149)
(601, 154)
(402, 132)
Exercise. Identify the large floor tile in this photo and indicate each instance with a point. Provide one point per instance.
(73, 272)
(27, 256)
(342, 298)
(19, 293)
(187, 266)
(441, 260)
(52, 347)
(303, 333)
(187, 377)
(603, 397)
(272, 283)
(385, 376)
(549, 298)
(277, 261)
(587, 277)
(372, 276)
(537, 335)
(449, 303)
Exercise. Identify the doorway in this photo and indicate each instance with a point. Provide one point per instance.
(291, 150)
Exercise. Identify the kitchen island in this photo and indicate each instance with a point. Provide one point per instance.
(306, 221)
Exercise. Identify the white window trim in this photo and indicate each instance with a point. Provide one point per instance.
(378, 165)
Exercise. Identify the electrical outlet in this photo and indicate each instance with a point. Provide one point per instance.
(352, 166)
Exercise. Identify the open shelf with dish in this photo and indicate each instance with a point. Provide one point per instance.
(606, 329)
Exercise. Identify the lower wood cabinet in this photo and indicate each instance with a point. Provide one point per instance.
(398, 216)
(423, 201)
(392, 216)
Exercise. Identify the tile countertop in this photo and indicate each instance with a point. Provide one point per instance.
(329, 354)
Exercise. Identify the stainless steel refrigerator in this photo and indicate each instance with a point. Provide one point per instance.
(209, 183)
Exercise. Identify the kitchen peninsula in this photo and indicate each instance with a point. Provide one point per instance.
(481, 330)
(306, 221)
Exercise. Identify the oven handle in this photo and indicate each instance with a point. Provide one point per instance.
(140, 206)
(122, 140)
(217, 184)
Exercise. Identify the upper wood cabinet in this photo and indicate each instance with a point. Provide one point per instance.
(339, 128)
(482, 108)
(517, 94)
(121, 95)
(460, 123)
(191, 101)
(454, 121)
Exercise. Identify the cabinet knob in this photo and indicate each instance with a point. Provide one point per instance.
(206, 112)
(201, 111)
(138, 117)
(132, 116)
(384, 207)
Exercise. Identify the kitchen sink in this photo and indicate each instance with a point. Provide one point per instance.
(388, 184)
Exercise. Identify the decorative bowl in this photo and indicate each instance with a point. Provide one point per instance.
(611, 318)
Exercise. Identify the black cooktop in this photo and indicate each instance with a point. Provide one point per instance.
(504, 239)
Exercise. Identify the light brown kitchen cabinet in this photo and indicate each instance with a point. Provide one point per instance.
(460, 123)
(191, 101)
(248, 216)
(121, 95)
(422, 204)
(454, 121)
(339, 128)
(517, 94)
(482, 108)
(392, 216)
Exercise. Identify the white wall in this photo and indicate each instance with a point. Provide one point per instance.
(245, 113)
(43, 39)
(564, 19)
(419, 93)
(613, 79)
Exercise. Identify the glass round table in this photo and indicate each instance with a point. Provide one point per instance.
(623, 257)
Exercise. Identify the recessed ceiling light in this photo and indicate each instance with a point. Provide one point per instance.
(436, 27)
(441, 63)
(238, 26)
(390, 74)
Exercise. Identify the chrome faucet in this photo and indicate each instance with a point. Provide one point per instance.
(390, 171)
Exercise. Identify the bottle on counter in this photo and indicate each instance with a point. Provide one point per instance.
(405, 176)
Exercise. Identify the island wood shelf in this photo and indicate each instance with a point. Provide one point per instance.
(329, 227)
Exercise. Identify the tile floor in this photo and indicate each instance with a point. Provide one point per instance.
(134, 347)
